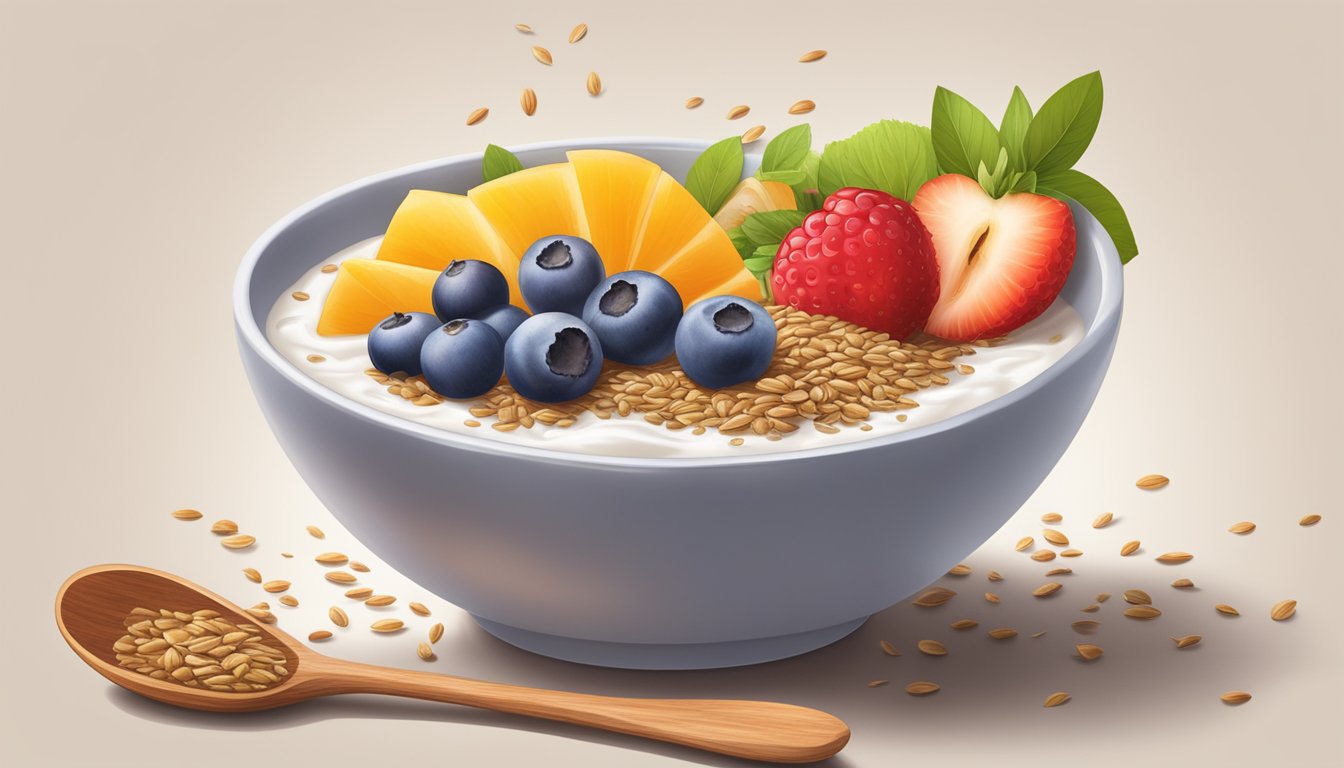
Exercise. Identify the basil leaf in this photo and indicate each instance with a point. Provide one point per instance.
(1088, 192)
(784, 177)
(890, 155)
(715, 172)
(766, 227)
(1013, 129)
(498, 162)
(786, 151)
(741, 242)
(1060, 132)
(962, 136)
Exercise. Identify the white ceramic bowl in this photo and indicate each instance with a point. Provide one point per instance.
(658, 563)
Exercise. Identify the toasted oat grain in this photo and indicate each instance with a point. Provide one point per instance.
(1103, 520)
(931, 648)
(694, 102)
(187, 514)
(960, 569)
(1002, 633)
(436, 632)
(1173, 558)
(378, 601)
(1088, 651)
(1085, 626)
(753, 133)
(528, 101)
(276, 586)
(239, 542)
(921, 688)
(1052, 517)
(253, 575)
(1142, 612)
(1056, 699)
(1023, 543)
(1129, 548)
(418, 609)
(576, 34)
(315, 532)
(387, 625)
(888, 648)
(1152, 482)
(1283, 610)
(1309, 520)
(934, 597)
(1183, 584)
(811, 56)
(802, 107)
(1235, 697)
(477, 115)
(224, 527)
(319, 635)
(961, 625)
(1047, 589)
(338, 617)
(1137, 597)
(1186, 641)
(332, 558)
(738, 111)
(542, 55)
(593, 84)
(1242, 527)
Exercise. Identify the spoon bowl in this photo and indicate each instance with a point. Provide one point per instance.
(92, 605)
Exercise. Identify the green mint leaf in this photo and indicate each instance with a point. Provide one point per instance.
(784, 177)
(962, 135)
(805, 194)
(715, 172)
(890, 155)
(1060, 132)
(758, 264)
(786, 151)
(741, 242)
(770, 227)
(498, 162)
(1013, 129)
(1088, 192)
(1023, 182)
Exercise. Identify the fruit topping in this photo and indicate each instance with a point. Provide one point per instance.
(366, 291)
(462, 359)
(751, 196)
(553, 357)
(504, 318)
(468, 287)
(1002, 262)
(864, 257)
(725, 340)
(634, 315)
(532, 203)
(558, 272)
(394, 343)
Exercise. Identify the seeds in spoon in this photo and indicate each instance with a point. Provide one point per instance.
(246, 664)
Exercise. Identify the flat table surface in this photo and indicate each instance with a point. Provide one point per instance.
(144, 145)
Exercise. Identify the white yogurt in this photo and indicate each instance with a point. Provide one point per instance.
(291, 328)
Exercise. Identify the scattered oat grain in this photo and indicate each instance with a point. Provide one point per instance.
(991, 597)
(961, 569)
(811, 56)
(1058, 572)
(1088, 651)
(1152, 482)
(1235, 698)
(315, 532)
(338, 616)
(1056, 699)
(934, 597)
(961, 625)
(358, 567)
(876, 683)
(378, 601)
(340, 577)
(932, 648)
(1187, 641)
(1052, 517)
(332, 558)
(1137, 597)
(1047, 589)
(359, 593)
(1309, 520)
(275, 587)
(1142, 612)
(921, 688)
(387, 625)
(1023, 543)
(888, 648)
(1002, 633)
(1283, 610)
(1043, 555)
(187, 514)
(1242, 527)
(239, 542)
(525, 29)
(694, 102)
(224, 527)
(1129, 548)
(528, 101)
(576, 34)
(1071, 553)
(253, 575)
(436, 632)
(1183, 584)
(1173, 558)
(477, 115)
(1086, 626)
(319, 636)
(300, 296)
(289, 600)
(594, 84)
(418, 609)
(329, 268)
(542, 55)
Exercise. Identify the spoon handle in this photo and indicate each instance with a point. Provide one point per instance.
(756, 730)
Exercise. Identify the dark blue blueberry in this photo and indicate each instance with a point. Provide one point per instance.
(504, 319)
(394, 343)
(468, 287)
(553, 357)
(634, 315)
(462, 359)
(557, 273)
(725, 340)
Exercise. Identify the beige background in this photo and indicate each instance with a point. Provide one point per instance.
(145, 144)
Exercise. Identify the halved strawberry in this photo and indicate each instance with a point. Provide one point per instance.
(1000, 262)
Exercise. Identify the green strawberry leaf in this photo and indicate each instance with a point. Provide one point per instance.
(1023, 182)
(784, 177)
(741, 242)
(1088, 192)
(1013, 129)
(889, 155)
(715, 172)
(962, 135)
(805, 194)
(1060, 132)
(771, 227)
(498, 162)
(787, 151)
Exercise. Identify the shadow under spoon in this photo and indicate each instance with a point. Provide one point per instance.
(92, 605)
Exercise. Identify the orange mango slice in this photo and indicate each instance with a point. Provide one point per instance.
(367, 290)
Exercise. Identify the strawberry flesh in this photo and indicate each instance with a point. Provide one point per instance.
(1001, 262)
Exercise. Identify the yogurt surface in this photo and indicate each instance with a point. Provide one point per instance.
(291, 327)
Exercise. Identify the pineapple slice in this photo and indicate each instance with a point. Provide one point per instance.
(616, 188)
(531, 204)
(430, 229)
(367, 290)
(752, 196)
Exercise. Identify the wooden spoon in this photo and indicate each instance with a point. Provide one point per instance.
(92, 605)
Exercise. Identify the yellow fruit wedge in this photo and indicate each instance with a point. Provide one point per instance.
(368, 290)
(673, 219)
(743, 284)
(752, 196)
(430, 229)
(705, 263)
(616, 188)
(531, 204)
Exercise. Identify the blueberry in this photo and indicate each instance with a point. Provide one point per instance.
(725, 340)
(394, 343)
(462, 359)
(557, 273)
(505, 319)
(634, 315)
(553, 357)
(468, 287)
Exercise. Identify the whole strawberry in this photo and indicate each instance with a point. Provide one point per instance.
(865, 258)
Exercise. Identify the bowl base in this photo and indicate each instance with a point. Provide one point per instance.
(734, 653)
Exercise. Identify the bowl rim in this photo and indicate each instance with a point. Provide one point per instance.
(252, 333)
